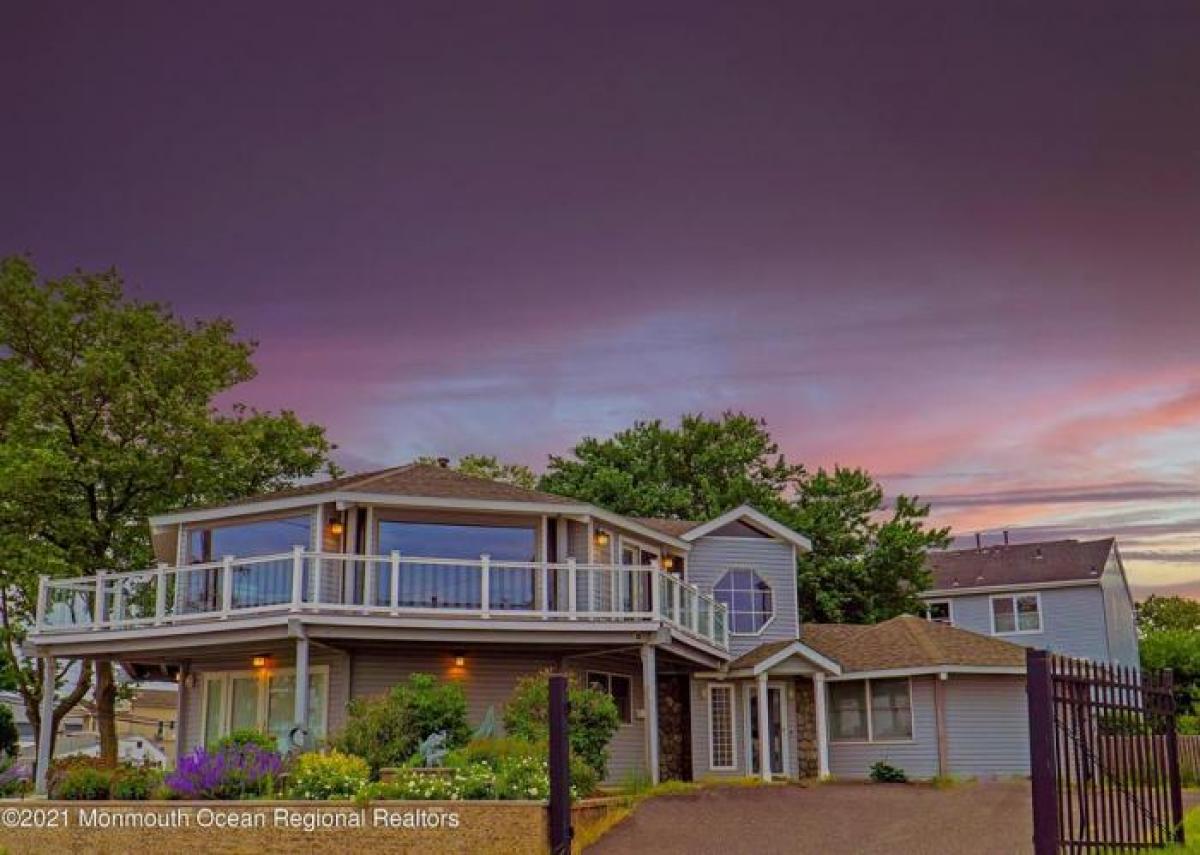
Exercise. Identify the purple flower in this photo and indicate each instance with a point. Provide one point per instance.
(230, 773)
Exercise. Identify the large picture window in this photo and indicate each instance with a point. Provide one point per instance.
(257, 584)
(721, 747)
(448, 586)
(870, 711)
(1016, 613)
(749, 600)
(264, 702)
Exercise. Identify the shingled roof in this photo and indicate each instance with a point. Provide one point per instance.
(908, 642)
(672, 527)
(426, 480)
(1020, 564)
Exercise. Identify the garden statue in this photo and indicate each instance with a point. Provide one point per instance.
(432, 749)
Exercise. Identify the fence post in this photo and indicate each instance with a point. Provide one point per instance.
(1039, 690)
(560, 768)
(1173, 776)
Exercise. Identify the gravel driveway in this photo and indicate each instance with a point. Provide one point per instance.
(830, 818)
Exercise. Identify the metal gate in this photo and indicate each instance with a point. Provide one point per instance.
(1104, 756)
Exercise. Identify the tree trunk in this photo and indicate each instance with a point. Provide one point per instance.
(106, 713)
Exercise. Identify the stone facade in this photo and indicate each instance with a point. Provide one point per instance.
(674, 728)
(806, 728)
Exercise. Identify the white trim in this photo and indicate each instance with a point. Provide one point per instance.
(942, 593)
(749, 714)
(870, 716)
(733, 741)
(729, 607)
(755, 516)
(949, 609)
(1041, 627)
(801, 649)
(928, 670)
(432, 503)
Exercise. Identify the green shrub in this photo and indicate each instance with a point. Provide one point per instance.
(10, 737)
(385, 731)
(1188, 725)
(508, 756)
(592, 721)
(62, 767)
(15, 777)
(883, 772)
(136, 783)
(85, 783)
(247, 736)
(332, 775)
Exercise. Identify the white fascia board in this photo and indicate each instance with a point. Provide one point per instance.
(397, 501)
(929, 670)
(943, 593)
(759, 519)
(798, 648)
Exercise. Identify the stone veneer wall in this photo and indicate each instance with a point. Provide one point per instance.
(806, 728)
(498, 828)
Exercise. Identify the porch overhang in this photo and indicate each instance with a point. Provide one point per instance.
(795, 658)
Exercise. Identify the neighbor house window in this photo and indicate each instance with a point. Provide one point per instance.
(619, 687)
(449, 586)
(749, 600)
(1016, 613)
(721, 748)
(870, 711)
(266, 703)
(939, 611)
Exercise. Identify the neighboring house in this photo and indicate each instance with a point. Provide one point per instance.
(73, 723)
(1066, 596)
(130, 749)
(273, 612)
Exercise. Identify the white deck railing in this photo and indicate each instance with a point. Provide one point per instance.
(302, 581)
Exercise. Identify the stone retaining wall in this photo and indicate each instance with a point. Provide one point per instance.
(35, 826)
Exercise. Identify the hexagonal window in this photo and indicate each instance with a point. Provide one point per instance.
(749, 599)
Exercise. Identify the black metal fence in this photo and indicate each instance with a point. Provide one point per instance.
(1104, 756)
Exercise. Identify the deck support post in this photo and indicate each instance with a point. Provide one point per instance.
(46, 725)
(822, 716)
(301, 725)
(764, 729)
(650, 703)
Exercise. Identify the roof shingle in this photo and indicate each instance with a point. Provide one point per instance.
(1019, 564)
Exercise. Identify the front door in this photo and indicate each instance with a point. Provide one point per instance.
(777, 727)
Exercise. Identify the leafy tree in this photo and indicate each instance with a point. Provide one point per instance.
(107, 416)
(487, 466)
(1160, 613)
(1179, 650)
(10, 737)
(867, 562)
(696, 471)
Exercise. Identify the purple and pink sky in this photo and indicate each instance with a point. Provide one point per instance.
(956, 243)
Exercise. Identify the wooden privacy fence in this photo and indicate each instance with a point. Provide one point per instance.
(1189, 760)
(1104, 756)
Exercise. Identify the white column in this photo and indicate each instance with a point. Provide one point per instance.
(46, 727)
(764, 726)
(819, 711)
(302, 687)
(650, 702)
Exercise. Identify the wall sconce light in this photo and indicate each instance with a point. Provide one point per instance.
(336, 527)
(668, 563)
(602, 538)
(259, 662)
(460, 659)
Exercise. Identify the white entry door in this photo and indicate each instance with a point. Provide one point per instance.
(776, 725)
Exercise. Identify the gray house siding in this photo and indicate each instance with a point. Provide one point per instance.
(1119, 616)
(987, 726)
(918, 757)
(1072, 620)
(711, 557)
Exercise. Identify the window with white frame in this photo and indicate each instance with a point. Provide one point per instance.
(721, 747)
(870, 710)
(1016, 613)
(939, 611)
(265, 702)
(619, 687)
(749, 600)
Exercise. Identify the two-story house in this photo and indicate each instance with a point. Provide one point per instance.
(1066, 596)
(273, 612)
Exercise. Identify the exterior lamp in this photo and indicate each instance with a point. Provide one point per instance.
(602, 538)
(460, 659)
(259, 662)
(336, 527)
(668, 563)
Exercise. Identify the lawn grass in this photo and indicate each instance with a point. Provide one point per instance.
(1191, 834)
